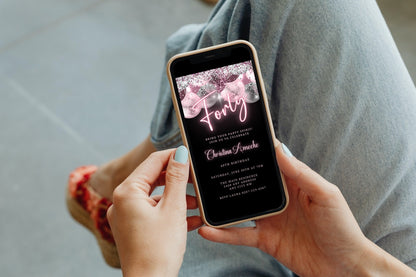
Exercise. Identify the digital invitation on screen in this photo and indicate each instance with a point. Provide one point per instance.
(226, 126)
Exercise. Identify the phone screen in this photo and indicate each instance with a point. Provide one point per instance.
(227, 131)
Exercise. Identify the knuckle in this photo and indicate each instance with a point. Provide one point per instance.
(154, 154)
(175, 174)
(110, 214)
(118, 194)
(334, 190)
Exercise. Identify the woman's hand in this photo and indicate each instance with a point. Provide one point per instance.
(317, 235)
(150, 232)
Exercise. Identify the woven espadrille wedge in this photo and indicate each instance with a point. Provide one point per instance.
(88, 208)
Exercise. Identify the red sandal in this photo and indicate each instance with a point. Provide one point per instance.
(90, 209)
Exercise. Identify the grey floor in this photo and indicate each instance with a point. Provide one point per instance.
(77, 79)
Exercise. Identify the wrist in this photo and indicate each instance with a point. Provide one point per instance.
(369, 262)
(374, 261)
(149, 267)
(148, 271)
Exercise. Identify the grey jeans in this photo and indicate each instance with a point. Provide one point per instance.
(341, 99)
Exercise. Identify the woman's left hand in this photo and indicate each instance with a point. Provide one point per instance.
(150, 231)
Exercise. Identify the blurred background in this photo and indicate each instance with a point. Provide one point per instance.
(78, 84)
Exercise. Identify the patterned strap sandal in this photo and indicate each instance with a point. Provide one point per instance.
(89, 208)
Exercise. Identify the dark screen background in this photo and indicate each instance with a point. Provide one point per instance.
(234, 164)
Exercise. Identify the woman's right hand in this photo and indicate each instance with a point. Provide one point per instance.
(317, 235)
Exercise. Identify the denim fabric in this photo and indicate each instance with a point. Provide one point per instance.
(341, 99)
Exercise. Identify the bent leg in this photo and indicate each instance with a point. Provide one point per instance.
(340, 97)
(345, 103)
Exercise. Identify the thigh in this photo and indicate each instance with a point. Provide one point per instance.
(343, 100)
(204, 258)
(340, 97)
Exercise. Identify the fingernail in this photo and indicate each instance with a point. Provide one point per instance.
(181, 154)
(286, 150)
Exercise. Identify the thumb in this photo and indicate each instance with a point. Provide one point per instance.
(313, 184)
(177, 174)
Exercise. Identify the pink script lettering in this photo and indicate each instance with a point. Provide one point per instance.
(219, 114)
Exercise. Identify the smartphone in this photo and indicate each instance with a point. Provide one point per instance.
(222, 110)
